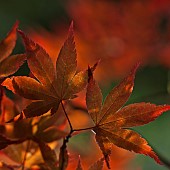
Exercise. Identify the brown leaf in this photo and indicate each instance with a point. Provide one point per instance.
(93, 100)
(31, 89)
(9, 65)
(136, 114)
(51, 134)
(38, 108)
(66, 63)
(8, 84)
(111, 119)
(104, 144)
(118, 96)
(57, 120)
(97, 165)
(52, 86)
(79, 166)
(4, 142)
(48, 154)
(8, 43)
(131, 141)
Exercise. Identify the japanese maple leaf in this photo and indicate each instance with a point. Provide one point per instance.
(9, 64)
(112, 120)
(52, 85)
(96, 166)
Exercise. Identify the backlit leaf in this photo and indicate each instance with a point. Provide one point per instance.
(136, 114)
(66, 63)
(112, 119)
(79, 166)
(31, 89)
(48, 154)
(10, 64)
(8, 43)
(97, 165)
(53, 84)
(118, 96)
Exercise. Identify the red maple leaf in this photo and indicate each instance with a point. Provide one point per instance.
(112, 120)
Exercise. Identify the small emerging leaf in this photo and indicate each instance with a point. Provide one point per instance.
(79, 166)
(97, 165)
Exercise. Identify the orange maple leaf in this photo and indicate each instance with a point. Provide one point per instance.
(10, 64)
(52, 85)
(112, 121)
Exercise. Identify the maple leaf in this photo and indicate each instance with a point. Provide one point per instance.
(50, 128)
(112, 121)
(48, 154)
(9, 65)
(51, 85)
(79, 166)
(4, 142)
(98, 165)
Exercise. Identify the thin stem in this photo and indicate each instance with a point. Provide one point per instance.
(63, 157)
(25, 156)
(71, 128)
(63, 149)
(81, 129)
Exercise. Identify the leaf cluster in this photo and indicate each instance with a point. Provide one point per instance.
(39, 127)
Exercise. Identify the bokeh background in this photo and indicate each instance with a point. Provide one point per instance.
(120, 33)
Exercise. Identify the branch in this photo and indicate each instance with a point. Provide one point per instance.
(71, 128)
(81, 129)
(63, 157)
(25, 156)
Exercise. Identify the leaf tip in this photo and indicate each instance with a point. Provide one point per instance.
(29, 44)
(16, 118)
(135, 68)
(14, 29)
(15, 26)
(92, 69)
(95, 65)
(72, 25)
(155, 157)
(90, 74)
(20, 32)
(71, 30)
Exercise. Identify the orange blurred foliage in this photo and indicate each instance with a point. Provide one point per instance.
(124, 32)
(120, 33)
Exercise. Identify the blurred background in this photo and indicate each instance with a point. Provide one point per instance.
(120, 33)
